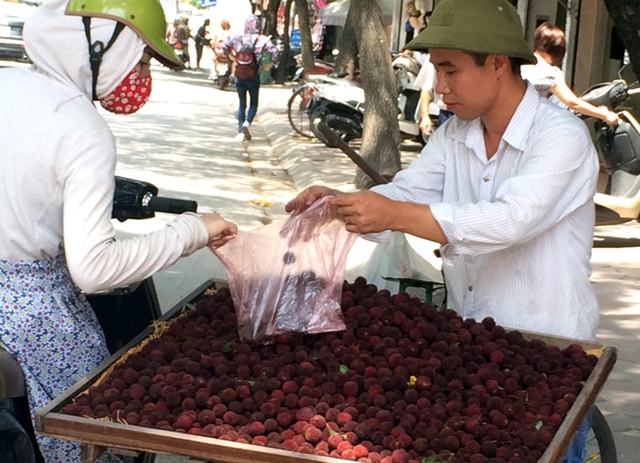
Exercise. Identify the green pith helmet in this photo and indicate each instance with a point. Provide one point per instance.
(145, 17)
(489, 27)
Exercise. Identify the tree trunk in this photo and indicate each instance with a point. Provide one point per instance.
(281, 72)
(348, 47)
(626, 17)
(271, 18)
(302, 9)
(381, 134)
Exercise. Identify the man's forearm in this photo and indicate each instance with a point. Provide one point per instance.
(417, 220)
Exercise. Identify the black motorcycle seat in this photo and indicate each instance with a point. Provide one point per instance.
(11, 377)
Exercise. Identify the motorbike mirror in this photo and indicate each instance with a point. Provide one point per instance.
(626, 73)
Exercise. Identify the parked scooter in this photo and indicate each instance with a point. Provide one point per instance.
(320, 67)
(618, 149)
(123, 313)
(340, 104)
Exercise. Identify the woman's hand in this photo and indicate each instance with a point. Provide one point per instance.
(611, 117)
(220, 231)
(307, 197)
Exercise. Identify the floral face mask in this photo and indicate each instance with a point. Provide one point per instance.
(130, 95)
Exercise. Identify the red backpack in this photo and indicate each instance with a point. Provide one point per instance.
(247, 62)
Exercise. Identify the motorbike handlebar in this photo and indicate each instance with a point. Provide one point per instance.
(135, 199)
(172, 205)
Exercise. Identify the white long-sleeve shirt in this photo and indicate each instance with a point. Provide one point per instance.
(519, 225)
(58, 157)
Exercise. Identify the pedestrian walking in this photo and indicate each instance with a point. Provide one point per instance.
(249, 49)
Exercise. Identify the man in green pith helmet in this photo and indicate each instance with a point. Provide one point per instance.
(57, 187)
(505, 186)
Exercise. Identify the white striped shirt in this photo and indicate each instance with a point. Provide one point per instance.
(519, 225)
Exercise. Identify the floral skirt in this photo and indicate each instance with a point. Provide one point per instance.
(47, 324)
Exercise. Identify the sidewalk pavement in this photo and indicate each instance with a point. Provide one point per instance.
(250, 182)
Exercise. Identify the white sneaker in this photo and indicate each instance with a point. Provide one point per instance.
(246, 130)
(240, 137)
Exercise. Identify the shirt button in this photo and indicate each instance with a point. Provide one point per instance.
(486, 178)
(471, 288)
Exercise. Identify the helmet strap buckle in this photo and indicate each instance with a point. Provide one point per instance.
(97, 50)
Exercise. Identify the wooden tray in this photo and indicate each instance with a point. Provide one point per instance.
(99, 435)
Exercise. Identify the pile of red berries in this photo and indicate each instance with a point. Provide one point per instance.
(403, 383)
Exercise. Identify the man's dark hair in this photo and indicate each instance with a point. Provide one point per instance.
(481, 58)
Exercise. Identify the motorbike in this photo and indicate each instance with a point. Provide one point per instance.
(223, 77)
(320, 67)
(123, 313)
(340, 104)
(618, 147)
(179, 49)
(221, 74)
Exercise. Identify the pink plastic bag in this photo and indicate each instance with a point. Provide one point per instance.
(287, 276)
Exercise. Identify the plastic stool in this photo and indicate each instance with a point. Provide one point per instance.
(428, 286)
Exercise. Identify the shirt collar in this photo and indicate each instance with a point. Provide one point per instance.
(517, 131)
(521, 123)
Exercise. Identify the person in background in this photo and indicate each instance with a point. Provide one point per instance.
(425, 20)
(259, 44)
(217, 40)
(412, 24)
(426, 81)
(506, 186)
(548, 79)
(171, 33)
(182, 35)
(57, 239)
(201, 40)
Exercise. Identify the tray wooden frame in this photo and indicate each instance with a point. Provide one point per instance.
(98, 435)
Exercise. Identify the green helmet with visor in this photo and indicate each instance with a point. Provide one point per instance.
(145, 17)
(490, 27)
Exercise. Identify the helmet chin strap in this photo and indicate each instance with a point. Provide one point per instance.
(97, 49)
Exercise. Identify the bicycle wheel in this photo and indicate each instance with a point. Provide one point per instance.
(601, 447)
(297, 112)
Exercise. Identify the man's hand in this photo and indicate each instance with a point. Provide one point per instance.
(366, 211)
(307, 197)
